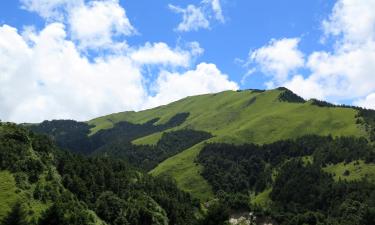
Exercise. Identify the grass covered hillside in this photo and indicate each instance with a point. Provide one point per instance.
(269, 152)
(250, 116)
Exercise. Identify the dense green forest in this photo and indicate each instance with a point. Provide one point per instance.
(84, 190)
(301, 190)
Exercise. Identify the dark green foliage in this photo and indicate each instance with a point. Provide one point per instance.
(298, 187)
(147, 157)
(67, 134)
(126, 131)
(301, 193)
(241, 168)
(234, 168)
(111, 188)
(110, 207)
(344, 149)
(17, 216)
(252, 90)
(138, 194)
(308, 218)
(289, 96)
(73, 136)
(321, 103)
(218, 214)
(67, 211)
(304, 194)
(117, 211)
(368, 120)
(16, 152)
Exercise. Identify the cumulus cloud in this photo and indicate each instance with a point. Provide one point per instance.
(278, 59)
(345, 73)
(198, 17)
(161, 53)
(43, 75)
(206, 78)
(367, 102)
(50, 79)
(353, 20)
(95, 23)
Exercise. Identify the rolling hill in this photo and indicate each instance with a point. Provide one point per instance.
(249, 116)
(288, 160)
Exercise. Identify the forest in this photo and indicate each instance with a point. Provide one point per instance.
(76, 187)
(302, 193)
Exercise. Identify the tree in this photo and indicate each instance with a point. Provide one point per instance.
(17, 216)
(52, 216)
(217, 214)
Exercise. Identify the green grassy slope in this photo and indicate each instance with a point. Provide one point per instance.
(357, 171)
(235, 117)
(10, 194)
(7, 192)
(186, 172)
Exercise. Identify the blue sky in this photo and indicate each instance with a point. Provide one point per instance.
(152, 56)
(248, 25)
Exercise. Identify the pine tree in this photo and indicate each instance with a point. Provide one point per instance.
(17, 216)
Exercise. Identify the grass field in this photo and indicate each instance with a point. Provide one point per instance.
(357, 170)
(8, 194)
(262, 199)
(186, 173)
(235, 117)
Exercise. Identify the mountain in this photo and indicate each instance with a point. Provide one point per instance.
(250, 116)
(289, 160)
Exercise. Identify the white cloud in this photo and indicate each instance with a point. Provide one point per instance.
(193, 18)
(352, 19)
(161, 53)
(50, 79)
(278, 59)
(96, 23)
(44, 76)
(305, 87)
(93, 24)
(216, 7)
(198, 17)
(346, 72)
(50, 9)
(367, 102)
(206, 78)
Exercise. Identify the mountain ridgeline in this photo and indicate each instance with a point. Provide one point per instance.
(200, 160)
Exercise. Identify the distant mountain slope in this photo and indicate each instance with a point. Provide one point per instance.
(249, 116)
(245, 116)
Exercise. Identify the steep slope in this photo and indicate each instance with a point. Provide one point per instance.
(250, 116)
(245, 116)
(45, 185)
(29, 178)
